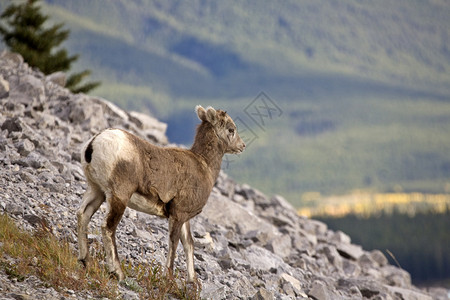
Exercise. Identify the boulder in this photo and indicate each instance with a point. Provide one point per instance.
(340, 238)
(4, 88)
(350, 251)
(110, 108)
(281, 202)
(58, 78)
(261, 259)
(12, 125)
(30, 91)
(89, 115)
(314, 227)
(263, 294)
(154, 129)
(24, 147)
(225, 185)
(407, 293)
(15, 58)
(333, 256)
(220, 210)
(379, 258)
(213, 290)
(280, 245)
(292, 286)
(395, 276)
(320, 291)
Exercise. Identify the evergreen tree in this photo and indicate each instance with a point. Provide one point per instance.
(26, 35)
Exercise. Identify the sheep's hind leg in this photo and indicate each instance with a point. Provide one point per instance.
(188, 245)
(174, 238)
(92, 199)
(109, 226)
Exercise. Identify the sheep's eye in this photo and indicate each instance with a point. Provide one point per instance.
(231, 130)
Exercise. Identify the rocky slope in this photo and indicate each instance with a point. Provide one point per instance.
(248, 245)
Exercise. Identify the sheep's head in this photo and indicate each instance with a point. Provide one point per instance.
(224, 128)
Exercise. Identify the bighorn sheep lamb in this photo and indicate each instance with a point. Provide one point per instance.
(173, 183)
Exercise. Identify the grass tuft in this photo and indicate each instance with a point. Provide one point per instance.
(41, 254)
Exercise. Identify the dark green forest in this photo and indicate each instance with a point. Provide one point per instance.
(420, 244)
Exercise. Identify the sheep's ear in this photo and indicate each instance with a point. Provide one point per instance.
(211, 115)
(201, 113)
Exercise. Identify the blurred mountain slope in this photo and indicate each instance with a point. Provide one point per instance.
(364, 87)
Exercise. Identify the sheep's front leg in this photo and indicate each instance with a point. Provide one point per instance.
(188, 245)
(109, 226)
(174, 238)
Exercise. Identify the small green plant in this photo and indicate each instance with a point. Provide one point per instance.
(41, 254)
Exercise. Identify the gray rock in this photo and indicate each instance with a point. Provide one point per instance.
(350, 251)
(242, 287)
(90, 115)
(340, 238)
(281, 202)
(109, 108)
(32, 88)
(12, 125)
(4, 88)
(153, 128)
(33, 160)
(262, 259)
(350, 288)
(15, 58)
(225, 185)
(24, 147)
(407, 293)
(58, 78)
(142, 234)
(280, 245)
(378, 257)
(320, 292)
(292, 286)
(311, 238)
(333, 256)
(279, 220)
(263, 294)
(28, 177)
(252, 194)
(351, 268)
(222, 211)
(14, 209)
(213, 290)
(395, 276)
(366, 261)
(315, 227)
(438, 293)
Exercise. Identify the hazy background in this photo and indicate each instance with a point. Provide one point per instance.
(363, 87)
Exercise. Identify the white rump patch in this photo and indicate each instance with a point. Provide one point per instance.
(109, 147)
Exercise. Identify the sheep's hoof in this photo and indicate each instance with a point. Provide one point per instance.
(169, 274)
(116, 275)
(194, 286)
(83, 262)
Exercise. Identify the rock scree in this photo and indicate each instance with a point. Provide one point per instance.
(247, 245)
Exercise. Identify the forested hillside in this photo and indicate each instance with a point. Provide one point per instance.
(361, 88)
(419, 244)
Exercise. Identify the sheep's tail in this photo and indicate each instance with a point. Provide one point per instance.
(88, 150)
